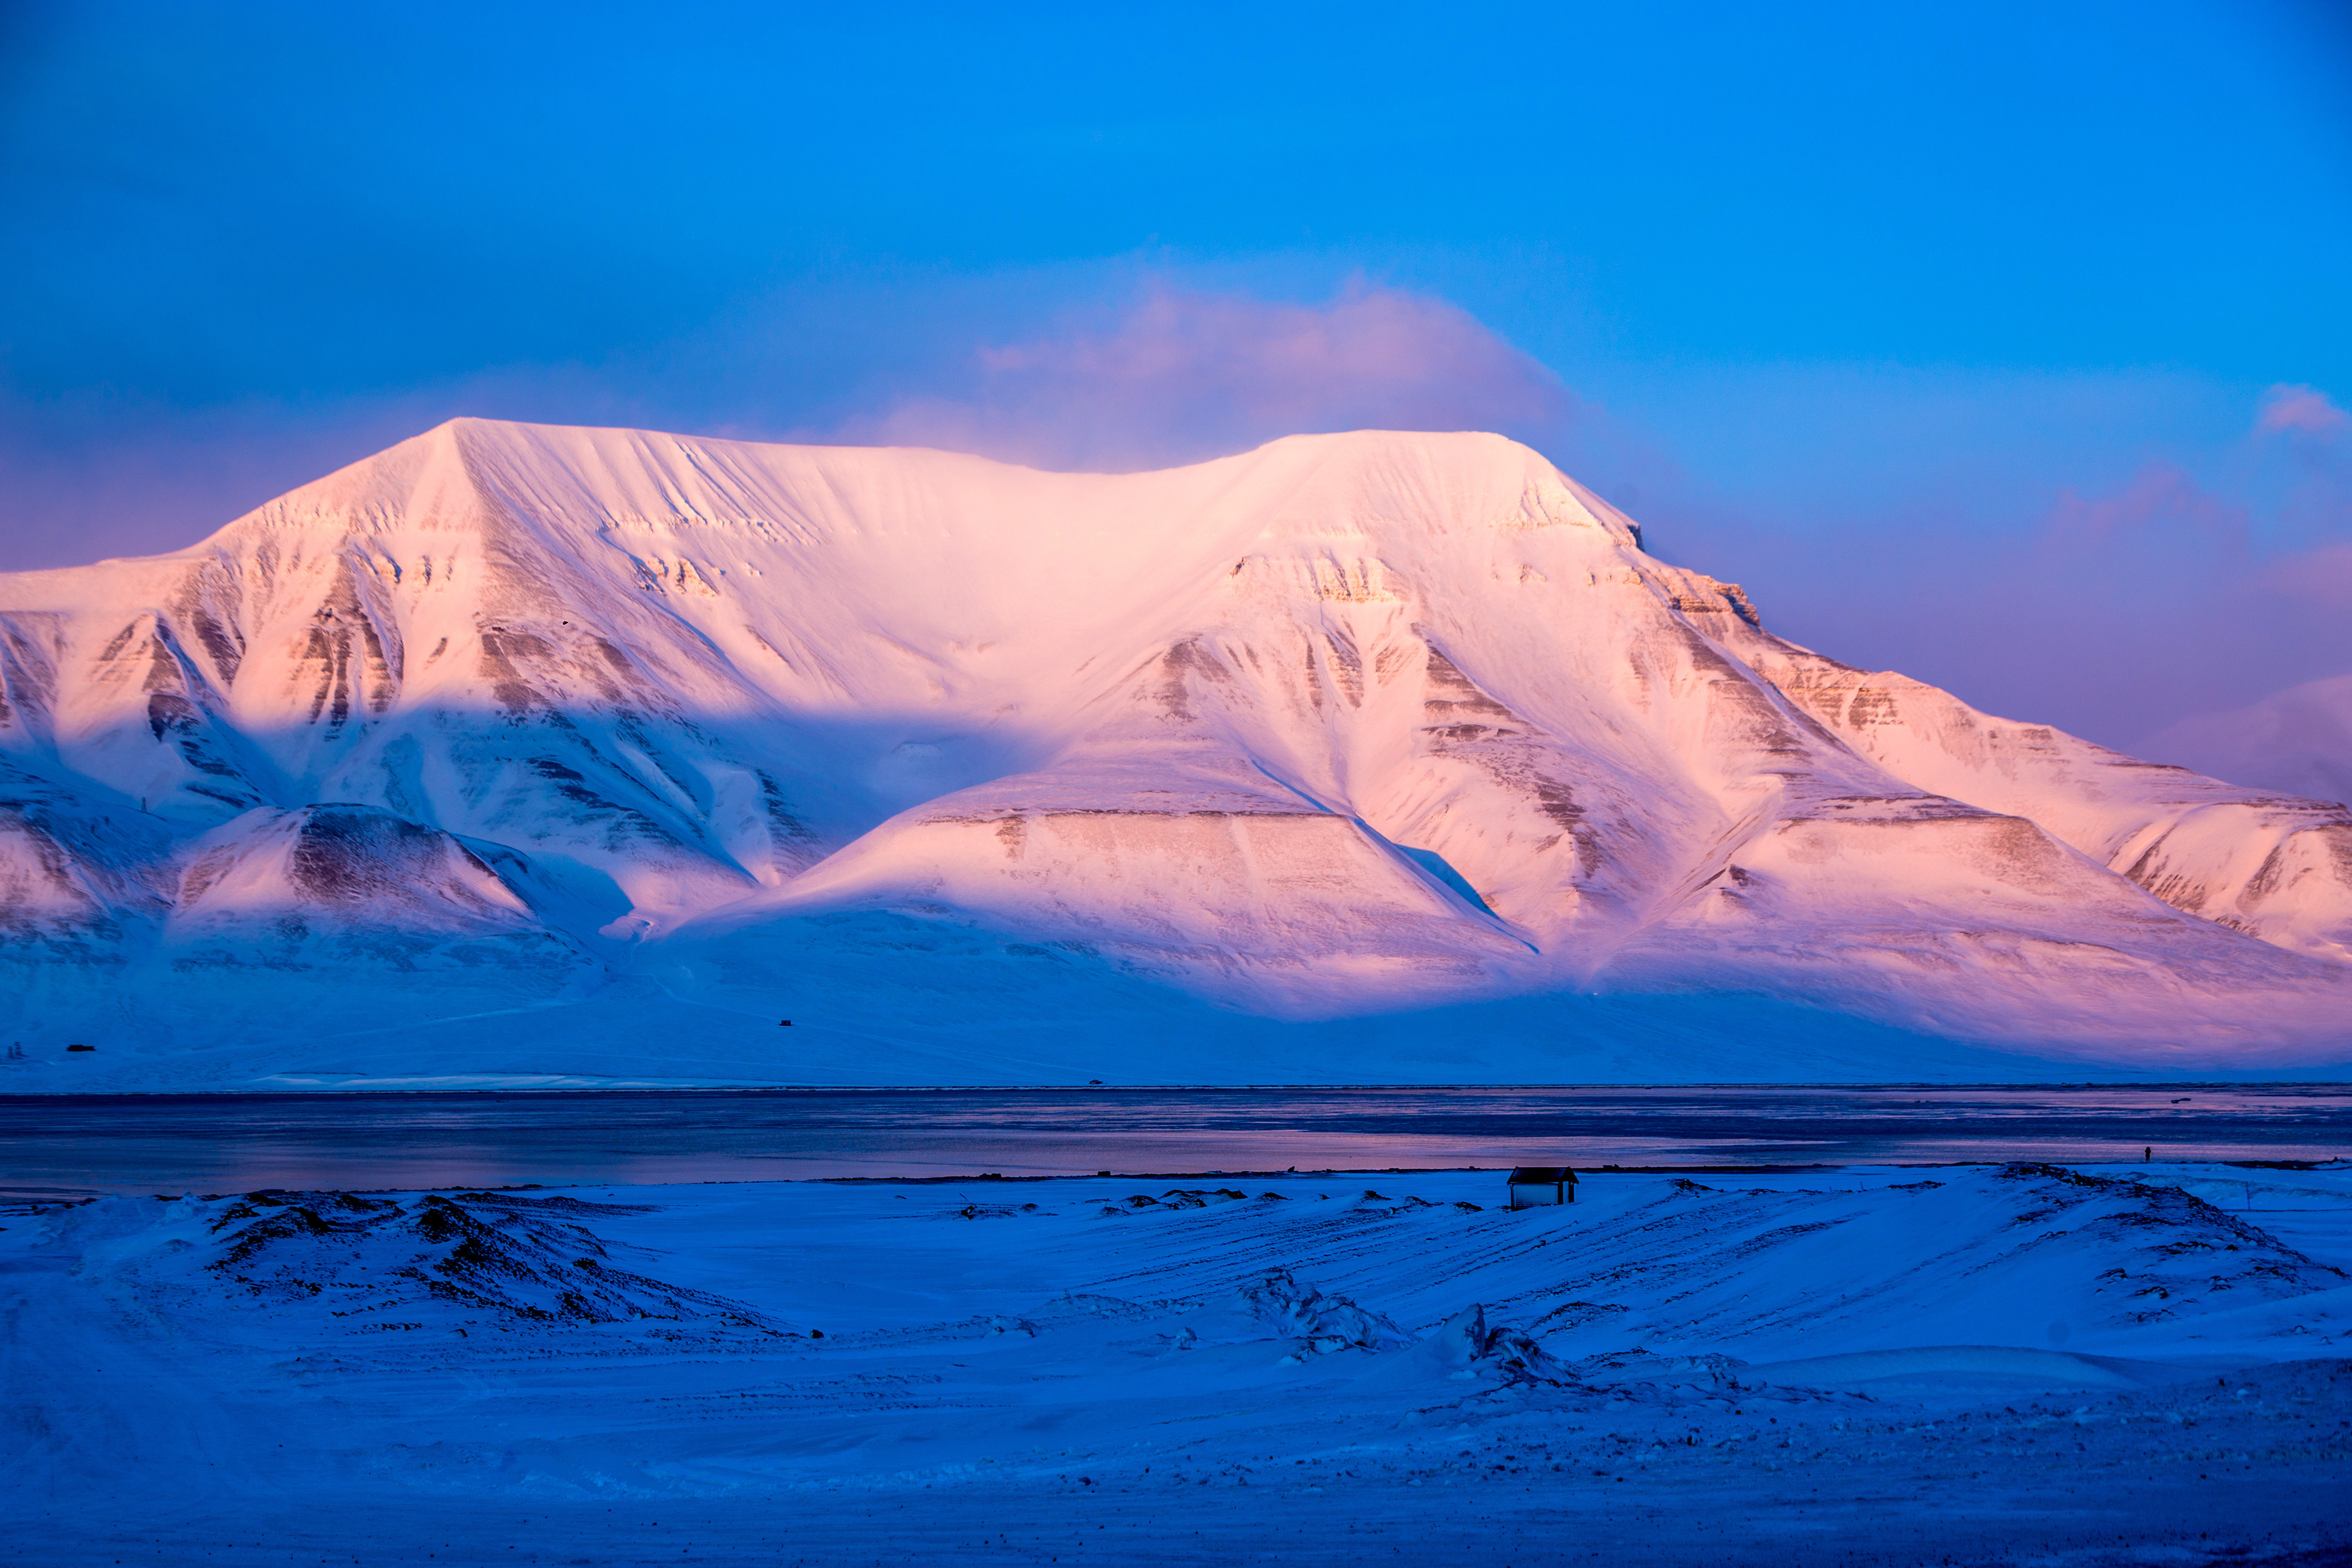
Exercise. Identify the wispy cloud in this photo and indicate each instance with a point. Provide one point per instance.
(2302, 410)
(1183, 375)
(2320, 577)
(2162, 508)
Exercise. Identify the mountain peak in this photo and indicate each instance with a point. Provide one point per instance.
(1365, 724)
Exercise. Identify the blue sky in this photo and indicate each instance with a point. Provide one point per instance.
(1949, 329)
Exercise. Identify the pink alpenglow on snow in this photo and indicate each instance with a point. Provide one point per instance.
(528, 750)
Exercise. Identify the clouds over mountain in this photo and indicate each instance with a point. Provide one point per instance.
(1185, 374)
(2108, 553)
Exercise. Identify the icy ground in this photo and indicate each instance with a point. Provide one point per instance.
(2146, 1364)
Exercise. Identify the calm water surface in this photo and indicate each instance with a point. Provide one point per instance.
(162, 1143)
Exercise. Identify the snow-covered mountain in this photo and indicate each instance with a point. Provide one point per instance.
(526, 750)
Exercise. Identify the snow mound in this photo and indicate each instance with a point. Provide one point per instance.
(1320, 1323)
(379, 1261)
(1469, 1341)
(2029, 1255)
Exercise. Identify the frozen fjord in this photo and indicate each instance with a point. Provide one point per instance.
(2105, 1365)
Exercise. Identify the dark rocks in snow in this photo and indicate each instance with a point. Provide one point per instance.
(1319, 1321)
(502, 1255)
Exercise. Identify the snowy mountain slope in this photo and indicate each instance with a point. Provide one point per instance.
(2272, 865)
(1347, 725)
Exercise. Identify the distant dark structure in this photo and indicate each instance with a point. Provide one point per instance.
(1535, 1186)
(82, 1047)
(784, 1023)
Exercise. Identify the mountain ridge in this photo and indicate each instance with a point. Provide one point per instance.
(1348, 726)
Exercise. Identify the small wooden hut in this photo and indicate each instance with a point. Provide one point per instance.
(1536, 1185)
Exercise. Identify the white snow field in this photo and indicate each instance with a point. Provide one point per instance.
(2029, 1364)
(525, 752)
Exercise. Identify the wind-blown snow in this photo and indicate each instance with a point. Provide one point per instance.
(538, 749)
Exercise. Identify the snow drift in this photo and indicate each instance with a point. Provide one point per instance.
(962, 766)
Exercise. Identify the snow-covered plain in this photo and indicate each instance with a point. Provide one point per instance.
(533, 754)
(2144, 1364)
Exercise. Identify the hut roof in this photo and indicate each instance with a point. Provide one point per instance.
(1546, 1175)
